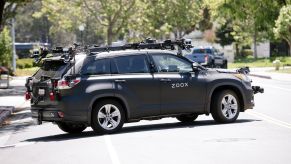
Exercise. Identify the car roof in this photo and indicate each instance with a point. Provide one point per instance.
(130, 52)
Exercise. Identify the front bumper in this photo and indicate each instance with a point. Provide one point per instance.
(257, 89)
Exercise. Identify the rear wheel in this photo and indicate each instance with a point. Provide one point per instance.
(72, 128)
(107, 117)
(224, 65)
(225, 106)
(187, 118)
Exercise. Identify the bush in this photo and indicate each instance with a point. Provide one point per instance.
(247, 52)
(5, 48)
(24, 63)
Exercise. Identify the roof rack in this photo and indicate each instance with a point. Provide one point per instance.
(182, 44)
(67, 54)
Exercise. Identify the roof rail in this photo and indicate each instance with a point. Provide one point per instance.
(147, 44)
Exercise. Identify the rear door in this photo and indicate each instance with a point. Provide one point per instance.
(182, 90)
(136, 85)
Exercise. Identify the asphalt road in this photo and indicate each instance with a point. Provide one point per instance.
(261, 136)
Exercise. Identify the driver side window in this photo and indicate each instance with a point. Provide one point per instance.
(171, 63)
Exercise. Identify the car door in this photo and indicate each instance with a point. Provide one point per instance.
(182, 90)
(136, 85)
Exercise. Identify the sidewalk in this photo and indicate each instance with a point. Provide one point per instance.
(267, 74)
(12, 99)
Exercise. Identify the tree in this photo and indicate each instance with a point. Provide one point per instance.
(224, 34)
(283, 25)
(254, 19)
(8, 9)
(113, 15)
(160, 18)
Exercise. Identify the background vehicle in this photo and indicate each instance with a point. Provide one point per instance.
(106, 89)
(208, 56)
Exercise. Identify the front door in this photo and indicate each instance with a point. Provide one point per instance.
(182, 90)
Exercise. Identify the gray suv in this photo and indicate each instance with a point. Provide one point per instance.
(105, 90)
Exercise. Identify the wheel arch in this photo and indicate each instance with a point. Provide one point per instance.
(234, 87)
(99, 99)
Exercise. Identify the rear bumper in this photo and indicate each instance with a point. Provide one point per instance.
(54, 115)
(45, 114)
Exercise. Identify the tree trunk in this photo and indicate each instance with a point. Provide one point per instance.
(2, 5)
(289, 43)
(236, 50)
(109, 35)
(255, 44)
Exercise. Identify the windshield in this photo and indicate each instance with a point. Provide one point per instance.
(52, 69)
(200, 51)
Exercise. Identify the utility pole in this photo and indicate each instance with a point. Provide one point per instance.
(13, 45)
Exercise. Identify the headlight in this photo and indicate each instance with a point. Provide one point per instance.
(243, 77)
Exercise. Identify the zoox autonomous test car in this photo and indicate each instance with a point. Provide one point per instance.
(109, 86)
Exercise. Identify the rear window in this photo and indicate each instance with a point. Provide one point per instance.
(52, 69)
(200, 51)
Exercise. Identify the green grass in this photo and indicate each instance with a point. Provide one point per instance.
(259, 62)
(26, 71)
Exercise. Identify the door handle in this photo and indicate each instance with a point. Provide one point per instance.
(165, 80)
(120, 81)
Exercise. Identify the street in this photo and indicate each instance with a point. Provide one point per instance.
(261, 135)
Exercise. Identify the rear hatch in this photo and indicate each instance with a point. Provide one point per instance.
(41, 83)
(199, 55)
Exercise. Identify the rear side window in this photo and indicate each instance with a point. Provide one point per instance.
(93, 66)
(131, 64)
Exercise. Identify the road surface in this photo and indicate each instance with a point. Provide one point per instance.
(261, 135)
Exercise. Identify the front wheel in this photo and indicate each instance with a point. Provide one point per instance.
(225, 106)
(72, 128)
(107, 117)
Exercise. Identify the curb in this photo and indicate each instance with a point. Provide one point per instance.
(5, 112)
(261, 76)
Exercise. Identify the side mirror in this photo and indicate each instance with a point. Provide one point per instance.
(195, 66)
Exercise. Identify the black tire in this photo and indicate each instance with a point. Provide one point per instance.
(111, 126)
(72, 128)
(224, 65)
(225, 113)
(187, 118)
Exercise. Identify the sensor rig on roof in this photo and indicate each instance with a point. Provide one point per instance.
(181, 44)
(65, 53)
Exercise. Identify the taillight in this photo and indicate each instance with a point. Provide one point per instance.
(206, 58)
(64, 84)
(52, 96)
(27, 95)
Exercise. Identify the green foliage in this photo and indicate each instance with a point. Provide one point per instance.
(258, 62)
(224, 34)
(283, 25)
(247, 52)
(5, 48)
(252, 21)
(25, 63)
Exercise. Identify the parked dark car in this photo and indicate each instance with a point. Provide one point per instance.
(208, 57)
(104, 90)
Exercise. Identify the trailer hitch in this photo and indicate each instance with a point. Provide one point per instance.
(257, 89)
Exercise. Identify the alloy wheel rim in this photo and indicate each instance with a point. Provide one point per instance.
(109, 116)
(229, 106)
